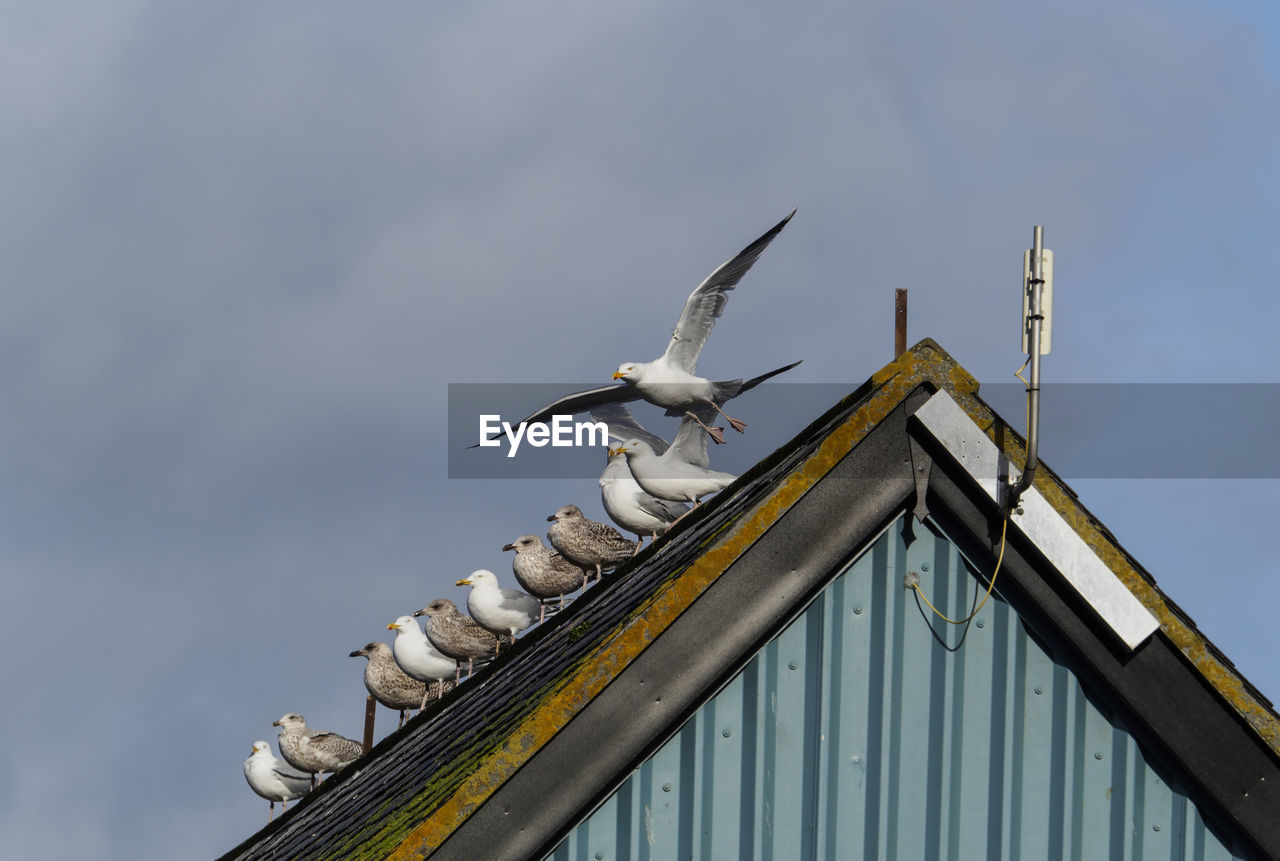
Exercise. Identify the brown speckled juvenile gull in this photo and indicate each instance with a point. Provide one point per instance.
(273, 778)
(313, 750)
(586, 542)
(388, 684)
(543, 572)
(457, 635)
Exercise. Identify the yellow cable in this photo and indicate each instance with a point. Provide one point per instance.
(990, 585)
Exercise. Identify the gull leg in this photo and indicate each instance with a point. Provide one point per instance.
(716, 434)
(736, 424)
(696, 503)
(271, 811)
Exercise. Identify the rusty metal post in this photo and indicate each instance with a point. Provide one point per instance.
(899, 322)
(370, 712)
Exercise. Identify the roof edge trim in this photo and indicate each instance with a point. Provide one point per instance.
(1119, 608)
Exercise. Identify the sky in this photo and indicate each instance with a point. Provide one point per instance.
(248, 247)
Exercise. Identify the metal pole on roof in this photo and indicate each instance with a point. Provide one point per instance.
(899, 322)
(370, 713)
(1036, 321)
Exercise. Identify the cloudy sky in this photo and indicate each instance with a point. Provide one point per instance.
(248, 246)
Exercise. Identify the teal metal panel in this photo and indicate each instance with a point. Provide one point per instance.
(870, 729)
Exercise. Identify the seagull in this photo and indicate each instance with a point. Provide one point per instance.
(387, 683)
(273, 778)
(670, 381)
(312, 750)
(457, 634)
(543, 572)
(668, 476)
(586, 542)
(504, 612)
(419, 659)
(625, 501)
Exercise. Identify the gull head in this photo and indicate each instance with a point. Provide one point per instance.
(367, 652)
(260, 747)
(292, 720)
(632, 447)
(479, 578)
(438, 607)
(524, 542)
(566, 512)
(402, 623)
(629, 372)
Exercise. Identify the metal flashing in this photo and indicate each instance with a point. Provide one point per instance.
(1039, 522)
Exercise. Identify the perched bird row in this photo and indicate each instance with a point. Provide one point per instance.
(646, 487)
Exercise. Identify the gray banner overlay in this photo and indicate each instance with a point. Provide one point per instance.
(1088, 430)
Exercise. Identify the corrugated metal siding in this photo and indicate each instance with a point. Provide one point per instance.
(868, 729)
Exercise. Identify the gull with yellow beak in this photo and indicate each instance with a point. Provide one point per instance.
(273, 778)
(419, 659)
(504, 612)
(671, 380)
(669, 476)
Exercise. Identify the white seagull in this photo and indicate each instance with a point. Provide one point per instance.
(505, 612)
(668, 476)
(418, 658)
(625, 501)
(273, 778)
(671, 381)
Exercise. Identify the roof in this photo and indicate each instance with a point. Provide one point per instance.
(497, 768)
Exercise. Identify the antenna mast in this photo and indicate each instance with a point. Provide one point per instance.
(1035, 287)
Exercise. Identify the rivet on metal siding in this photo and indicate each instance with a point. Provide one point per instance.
(726, 732)
(666, 787)
(857, 611)
(1155, 827)
(599, 856)
(924, 566)
(792, 665)
(1038, 690)
(982, 623)
(1097, 756)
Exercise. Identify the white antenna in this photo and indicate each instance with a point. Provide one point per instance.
(1034, 344)
(1046, 301)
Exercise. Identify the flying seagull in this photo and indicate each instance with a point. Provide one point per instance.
(273, 778)
(671, 381)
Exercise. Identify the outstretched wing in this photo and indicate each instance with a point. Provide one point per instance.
(707, 301)
(690, 444)
(580, 402)
(623, 426)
